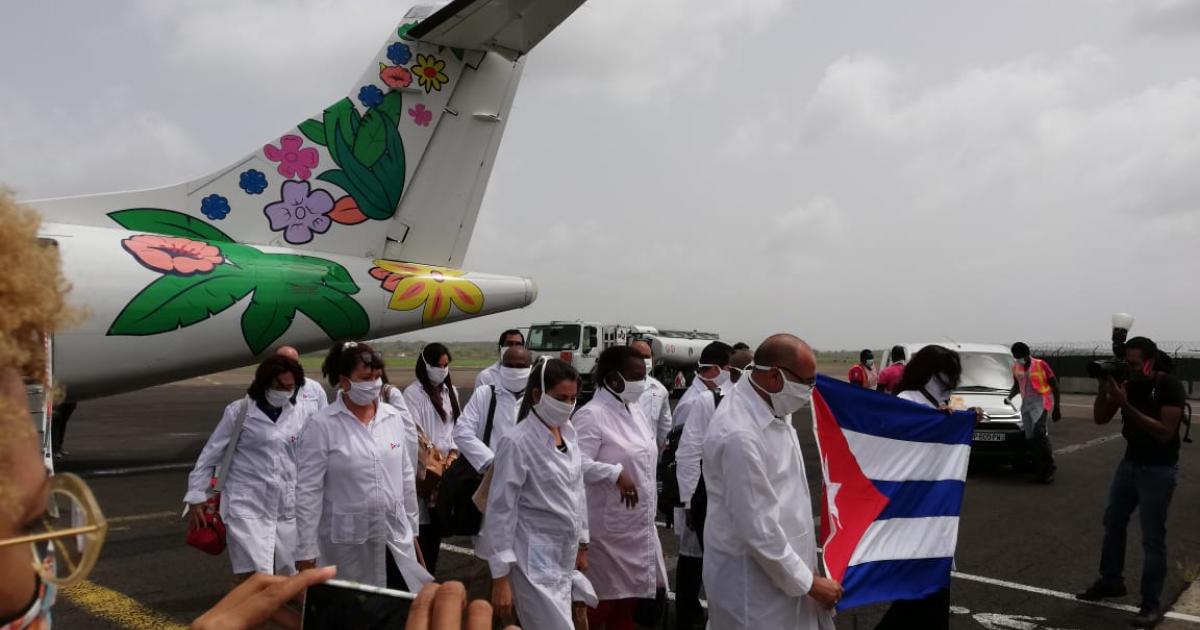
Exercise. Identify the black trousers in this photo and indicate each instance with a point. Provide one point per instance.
(689, 575)
(431, 544)
(1040, 451)
(58, 425)
(930, 613)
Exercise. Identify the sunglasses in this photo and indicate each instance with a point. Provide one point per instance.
(67, 540)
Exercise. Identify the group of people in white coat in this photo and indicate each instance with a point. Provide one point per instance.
(571, 493)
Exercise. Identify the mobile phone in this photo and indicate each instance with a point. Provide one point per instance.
(339, 604)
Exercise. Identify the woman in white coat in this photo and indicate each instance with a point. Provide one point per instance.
(620, 455)
(258, 502)
(356, 501)
(535, 533)
(433, 403)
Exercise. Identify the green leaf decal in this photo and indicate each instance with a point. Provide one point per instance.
(369, 141)
(341, 113)
(174, 302)
(168, 222)
(404, 29)
(268, 317)
(313, 130)
(339, 315)
(391, 107)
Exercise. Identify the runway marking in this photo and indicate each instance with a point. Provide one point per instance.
(1088, 444)
(1061, 595)
(137, 470)
(117, 608)
(173, 514)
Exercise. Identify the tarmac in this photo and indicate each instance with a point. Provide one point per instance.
(1023, 547)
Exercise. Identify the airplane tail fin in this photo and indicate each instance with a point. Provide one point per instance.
(395, 170)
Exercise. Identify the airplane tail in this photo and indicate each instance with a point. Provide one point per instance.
(396, 170)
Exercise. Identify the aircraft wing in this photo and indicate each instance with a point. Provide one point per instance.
(512, 27)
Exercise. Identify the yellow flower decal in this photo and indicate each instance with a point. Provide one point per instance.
(428, 71)
(435, 288)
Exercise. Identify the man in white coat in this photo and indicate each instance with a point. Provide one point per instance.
(491, 374)
(656, 400)
(760, 547)
(472, 424)
(312, 395)
(693, 413)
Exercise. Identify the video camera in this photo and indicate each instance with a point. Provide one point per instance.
(1115, 367)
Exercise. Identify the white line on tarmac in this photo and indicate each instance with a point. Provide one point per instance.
(1088, 444)
(1061, 595)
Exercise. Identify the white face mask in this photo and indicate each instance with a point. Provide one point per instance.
(514, 379)
(633, 390)
(870, 363)
(554, 413)
(649, 366)
(436, 374)
(792, 398)
(721, 381)
(365, 392)
(279, 397)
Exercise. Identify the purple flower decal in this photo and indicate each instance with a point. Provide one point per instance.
(299, 213)
(421, 114)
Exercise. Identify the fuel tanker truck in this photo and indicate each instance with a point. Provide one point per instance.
(675, 353)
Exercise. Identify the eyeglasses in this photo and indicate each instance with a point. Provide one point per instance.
(66, 542)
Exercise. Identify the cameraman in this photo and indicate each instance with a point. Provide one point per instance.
(1151, 404)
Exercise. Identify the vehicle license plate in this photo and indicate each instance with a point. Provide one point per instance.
(988, 436)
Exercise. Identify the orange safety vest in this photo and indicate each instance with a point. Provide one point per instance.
(1039, 378)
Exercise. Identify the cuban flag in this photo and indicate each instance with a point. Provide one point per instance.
(894, 474)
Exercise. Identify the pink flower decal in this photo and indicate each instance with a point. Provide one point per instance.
(170, 254)
(421, 115)
(395, 77)
(294, 161)
(300, 212)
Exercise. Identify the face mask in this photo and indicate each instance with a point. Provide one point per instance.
(38, 614)
(633, 390)
(944, 381)
(365, 392)
(514, 379)
(788, 400)
(722, 379)
(277, 398)
(869, 363)
(436, 374)
(649, 366)
(554, 413)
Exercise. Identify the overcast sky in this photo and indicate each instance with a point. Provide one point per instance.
(859, 173)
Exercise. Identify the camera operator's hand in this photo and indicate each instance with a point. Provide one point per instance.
(440, 607)
(1116, 393)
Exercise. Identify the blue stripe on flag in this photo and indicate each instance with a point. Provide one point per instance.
(916, 499)
(890, 580)
(875, 413)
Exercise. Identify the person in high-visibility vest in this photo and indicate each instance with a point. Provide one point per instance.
(1035, 382)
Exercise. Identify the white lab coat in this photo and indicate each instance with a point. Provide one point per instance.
(312, 395)
(656, 404)
(694, 412)
(440, 432)
(356, 496)
(258, 504)
(625, 557)
(535, 521)
(489, 375)
(472, 424)
(759, 541)
(394, 396)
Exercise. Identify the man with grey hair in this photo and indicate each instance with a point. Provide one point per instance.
(312, 395)
(760, 549)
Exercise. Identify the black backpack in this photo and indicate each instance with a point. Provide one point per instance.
(668, 482)
(456, 509)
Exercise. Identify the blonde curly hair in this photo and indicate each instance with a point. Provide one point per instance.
(32, 304)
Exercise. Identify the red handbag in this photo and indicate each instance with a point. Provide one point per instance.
(210, 537)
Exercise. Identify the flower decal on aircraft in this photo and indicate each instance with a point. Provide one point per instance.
(434, 288)
(428, 70)
(395, 77)
(253, 181)
(399, 53)
(179, 256)
(370, 96)
(294, 161)
(201, 271)
(421, 115)
(300, 213)
(346, 212)
(215, 207)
